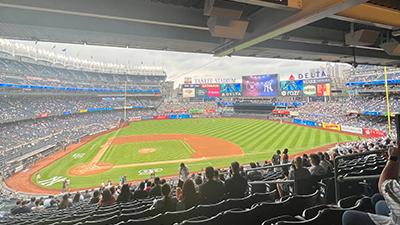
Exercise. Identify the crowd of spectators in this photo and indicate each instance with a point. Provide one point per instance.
(13, 108)
(19, 72)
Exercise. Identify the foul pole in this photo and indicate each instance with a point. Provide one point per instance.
(387, 101)
(125, 104)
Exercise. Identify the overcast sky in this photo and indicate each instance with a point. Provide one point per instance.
(179, 65)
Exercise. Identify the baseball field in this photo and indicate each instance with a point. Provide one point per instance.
(161, 145)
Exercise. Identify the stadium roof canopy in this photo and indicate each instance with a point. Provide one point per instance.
(351, 31)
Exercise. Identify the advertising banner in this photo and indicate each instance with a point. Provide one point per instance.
(317, 81)
(194, 111)
(323, 89)
(310, 90)
(147, 117)
(91, 110)
(281, 112)
(375, 133)
(305, 122)
(356, 130)
(161, 117)
(292, 113)
(189, 93)
(262, 85)
(83, 111)
(184, 116)
(331, 126)
(210, 86)
(213, 92)
(231, 90)
(53, 80)
(210, 110)
(135, 119)
(191, 86)
(187, 80)
(67, 112)
(291, 88)
(34, 78)
(167, 111)
(201, 92)
(172, 117)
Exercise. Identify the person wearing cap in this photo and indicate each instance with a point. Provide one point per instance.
(183, 174)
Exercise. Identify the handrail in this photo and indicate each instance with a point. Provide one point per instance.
(275, 181)
(336, 165)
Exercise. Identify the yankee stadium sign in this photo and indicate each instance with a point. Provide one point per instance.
(214, 80)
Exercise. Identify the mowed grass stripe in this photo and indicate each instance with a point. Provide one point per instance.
(258, 139)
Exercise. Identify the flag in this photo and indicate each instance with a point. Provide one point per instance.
(53, 47)
(129, 61)
(91, 57)
(36, 42)
(77, 55)
(64, 50)
(141, 62)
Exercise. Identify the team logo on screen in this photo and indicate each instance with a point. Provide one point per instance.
(201, 92)
(251, 86)
(268, 86)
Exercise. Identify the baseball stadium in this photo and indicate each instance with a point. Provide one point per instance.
(297, 125)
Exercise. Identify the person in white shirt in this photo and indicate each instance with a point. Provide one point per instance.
(183, 174)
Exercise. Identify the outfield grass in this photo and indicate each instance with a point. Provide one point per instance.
(258, 139)
(165, 150)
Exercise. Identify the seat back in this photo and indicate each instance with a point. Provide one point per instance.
(179, 216)
(104, 220)
(277, 219)
(211, 209)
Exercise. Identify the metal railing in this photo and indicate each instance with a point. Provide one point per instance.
(275, 181)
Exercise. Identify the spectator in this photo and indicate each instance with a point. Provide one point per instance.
(285, 156)
(276, 160)
(32, 202)
(86, 195)
(17, 205)
(389, 187)
(65, 203)
(183, 174)
(125, 194)
(254, 175)
(316, 169)
(37, 207)
(77, 198)
(216, 176)
(22, 209)
(178, 193)
(301, 173)
(189, 198)
(107, 198)
(236, 186)
(211, 191)
(96, 197)
(156, 189)
(306, 161)
(141, 193)
(167, 203)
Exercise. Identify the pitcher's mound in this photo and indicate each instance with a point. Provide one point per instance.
(146, 150)
(88, 169)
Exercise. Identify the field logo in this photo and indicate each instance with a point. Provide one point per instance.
(148, 171)
(78, 156)
(51, 181)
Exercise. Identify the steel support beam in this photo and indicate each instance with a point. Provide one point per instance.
(373, 14)
(122, 10)
(313, 10)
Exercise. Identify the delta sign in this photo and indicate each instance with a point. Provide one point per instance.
(302, 76)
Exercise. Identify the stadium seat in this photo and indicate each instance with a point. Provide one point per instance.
(211, 209)
(215, 220)
(72, 222)
(329, 216)
(154, 220)
(134, 209)
(140, 214)
(312, 212)
(102, 215)
(179, 216)
(279, 218)
(104, 220)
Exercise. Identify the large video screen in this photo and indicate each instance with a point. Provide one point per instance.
(291, 88)
(261, 85)
(228, 90)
